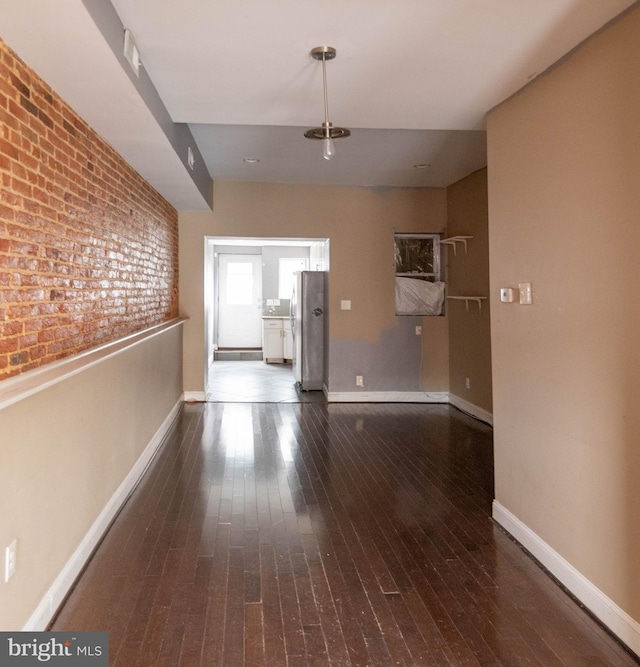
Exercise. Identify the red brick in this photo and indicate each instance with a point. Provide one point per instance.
(33, 325)
(9, 149)
(54, 349)
(38, 352)
(71, 199)
(28, 341)
(19, 358)
(12, 328)
(23, 248)
(8, 345)
(21, 187)
(47, 336)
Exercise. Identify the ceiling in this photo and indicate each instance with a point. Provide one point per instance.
(412, 79)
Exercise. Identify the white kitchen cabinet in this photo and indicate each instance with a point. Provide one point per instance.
(272, 344)
(287, 350)
(277, 340)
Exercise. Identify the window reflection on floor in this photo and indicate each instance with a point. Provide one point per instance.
(236, 431)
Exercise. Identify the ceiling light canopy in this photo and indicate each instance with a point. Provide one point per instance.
(327, 133)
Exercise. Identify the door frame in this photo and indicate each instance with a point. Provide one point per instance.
(321, 253)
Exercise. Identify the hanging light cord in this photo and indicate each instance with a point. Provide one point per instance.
(327, 132)
(326, 97)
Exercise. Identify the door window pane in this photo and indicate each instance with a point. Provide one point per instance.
(239, 283)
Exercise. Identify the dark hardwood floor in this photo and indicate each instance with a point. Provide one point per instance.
(314, 534)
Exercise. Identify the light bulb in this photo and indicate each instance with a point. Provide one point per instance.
(328, 149)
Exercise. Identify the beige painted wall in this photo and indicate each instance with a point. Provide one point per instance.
(359, 223)
(60, 468)
(564, 203)
(468, 274)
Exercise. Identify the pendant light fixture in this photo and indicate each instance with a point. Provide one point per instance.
(327, 133)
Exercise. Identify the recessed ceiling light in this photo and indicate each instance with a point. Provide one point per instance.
(251, 160)
(421, 166)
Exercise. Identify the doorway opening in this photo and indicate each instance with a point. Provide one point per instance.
(247, 293)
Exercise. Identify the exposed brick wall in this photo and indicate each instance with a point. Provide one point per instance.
(88, 249)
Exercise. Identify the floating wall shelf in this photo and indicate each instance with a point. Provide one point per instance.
(466, 299)
(454, 240)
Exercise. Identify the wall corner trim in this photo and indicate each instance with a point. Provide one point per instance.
(600, 605)
(53, 598)
(470, 408)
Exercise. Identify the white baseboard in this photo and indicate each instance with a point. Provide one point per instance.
(409, 397)
(194, 396)
(387, 397)
(470, 408)
(43, 613)
(602, 607)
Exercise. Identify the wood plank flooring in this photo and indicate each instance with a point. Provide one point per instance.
(313, 534)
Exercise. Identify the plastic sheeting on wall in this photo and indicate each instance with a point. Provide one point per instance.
(418, 297)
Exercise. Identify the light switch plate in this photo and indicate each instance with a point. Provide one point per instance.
(345, 305)
(526, 295)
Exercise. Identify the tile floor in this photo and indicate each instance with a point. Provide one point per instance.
(256, 382)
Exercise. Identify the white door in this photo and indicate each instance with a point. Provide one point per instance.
(240, 301)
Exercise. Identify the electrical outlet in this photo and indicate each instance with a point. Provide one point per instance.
(418, 331)
(10, 555)
(359, 381)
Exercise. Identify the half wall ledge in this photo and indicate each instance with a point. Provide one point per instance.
(18, 388)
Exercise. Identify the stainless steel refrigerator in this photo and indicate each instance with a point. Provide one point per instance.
(308, 322)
